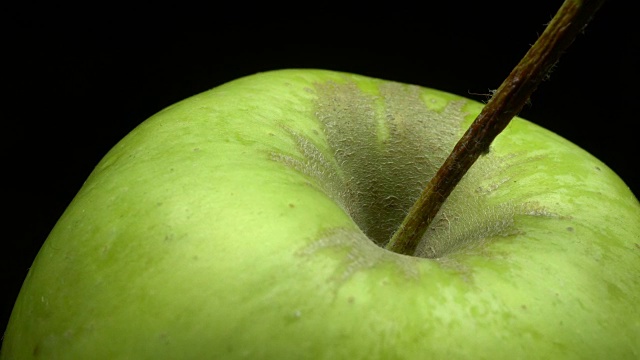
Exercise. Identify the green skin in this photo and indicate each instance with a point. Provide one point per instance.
(243, 222)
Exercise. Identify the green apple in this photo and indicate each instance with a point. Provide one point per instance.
(249, 221)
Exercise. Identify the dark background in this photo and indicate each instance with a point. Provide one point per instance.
(74, 87)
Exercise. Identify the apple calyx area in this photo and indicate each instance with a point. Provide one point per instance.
(506, 103)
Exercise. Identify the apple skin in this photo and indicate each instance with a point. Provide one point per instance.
(232, 225)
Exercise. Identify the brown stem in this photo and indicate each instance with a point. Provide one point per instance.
(506, 103)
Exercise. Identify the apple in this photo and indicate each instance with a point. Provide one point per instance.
(249, 221)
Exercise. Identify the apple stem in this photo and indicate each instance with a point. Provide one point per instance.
(506, 103)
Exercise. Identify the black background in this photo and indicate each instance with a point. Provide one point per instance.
(75, 86)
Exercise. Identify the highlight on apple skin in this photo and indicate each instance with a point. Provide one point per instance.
(249, 221)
